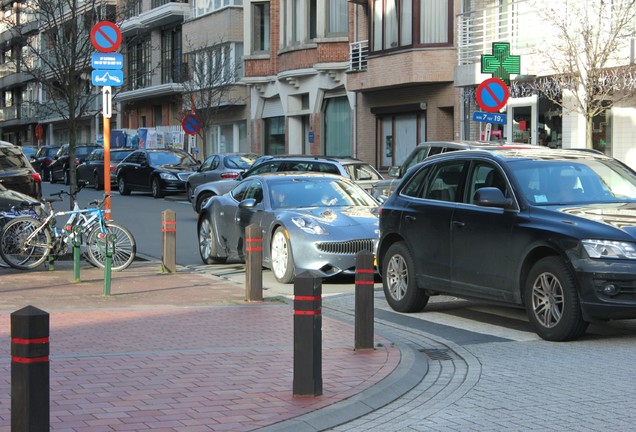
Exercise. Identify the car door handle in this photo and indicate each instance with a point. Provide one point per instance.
(409, 218)
(459, 224)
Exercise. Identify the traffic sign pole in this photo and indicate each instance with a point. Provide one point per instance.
(107, 209)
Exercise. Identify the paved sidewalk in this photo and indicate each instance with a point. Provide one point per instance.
(180, 352)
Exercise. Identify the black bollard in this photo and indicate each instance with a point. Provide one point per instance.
(364, 300)
(254, 263)
(307, 335)
(30, 406)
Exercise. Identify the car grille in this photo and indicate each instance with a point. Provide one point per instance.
(184, 175)
(349, 247)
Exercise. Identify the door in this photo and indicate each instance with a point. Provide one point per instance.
(244, 218)
(480, 240)
(522, 120)
(229, 229)
(426, 221)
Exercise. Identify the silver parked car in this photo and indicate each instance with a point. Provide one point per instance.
(310, 221)
(360, 172)
(220, 166)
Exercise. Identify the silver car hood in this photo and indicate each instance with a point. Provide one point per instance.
(339, 216)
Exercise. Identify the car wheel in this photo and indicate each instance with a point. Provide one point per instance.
(552, 301)
(122, 186)
(96, 182)
(203, 199)
(51, 177)
(282, 258)
(67, 178)
(156, 188)
(398, 280)
(207, 244)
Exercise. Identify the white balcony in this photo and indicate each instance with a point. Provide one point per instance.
(165, 14)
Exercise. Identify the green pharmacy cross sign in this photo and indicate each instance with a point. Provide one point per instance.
(501, 64)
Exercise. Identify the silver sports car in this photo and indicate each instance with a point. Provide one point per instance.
(310, 221)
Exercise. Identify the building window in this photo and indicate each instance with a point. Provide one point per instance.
(230, 137)
(204, 7)
(337, 16)
(298, 22)
(399, 23)
(274, 135)
(337, 127)
(172, 68)
(218, 65)
(260, 27)
(139, 64)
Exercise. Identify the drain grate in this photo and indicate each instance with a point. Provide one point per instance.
(437, 354)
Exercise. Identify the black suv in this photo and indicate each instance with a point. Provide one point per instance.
(59, 169)
(43, 158)
(16, 173)
(383, 189)
(551, 230)
(360, 172)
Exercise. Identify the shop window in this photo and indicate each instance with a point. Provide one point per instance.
(337, 127)
(399, 135)
(274, 131)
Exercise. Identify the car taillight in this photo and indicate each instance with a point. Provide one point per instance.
(36, 177)
(229, 175)
(113, 168)
(77, 163)
(47, 161)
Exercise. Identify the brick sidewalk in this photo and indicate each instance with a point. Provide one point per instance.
(180, 352)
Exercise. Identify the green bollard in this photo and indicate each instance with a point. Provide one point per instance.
(77, 243)
(108, 264)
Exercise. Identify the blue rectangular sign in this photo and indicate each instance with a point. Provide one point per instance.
(113, 78)
(107, 61)
(485, 117)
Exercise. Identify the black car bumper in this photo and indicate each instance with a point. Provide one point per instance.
(608, 288)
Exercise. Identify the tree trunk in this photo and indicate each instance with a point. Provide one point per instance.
(589, 125)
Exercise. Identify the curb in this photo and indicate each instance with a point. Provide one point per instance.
(412, 369)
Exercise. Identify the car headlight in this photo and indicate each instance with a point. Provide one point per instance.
(168, 176)
(609, 249)
(309, 226)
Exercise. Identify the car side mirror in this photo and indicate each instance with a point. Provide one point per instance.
(394, 172)
(240, 176)
(491, 197)
(248, 204)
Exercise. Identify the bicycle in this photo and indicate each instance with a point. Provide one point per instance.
(15, 212)
(26, 242)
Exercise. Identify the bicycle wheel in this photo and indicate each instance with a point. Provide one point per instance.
(17, 251)
(124, 251)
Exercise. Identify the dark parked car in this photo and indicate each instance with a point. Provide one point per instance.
(221, 166)
(29, 151)
(16, 172)
(360, 172)
(60, 168)
(310, 221)
(157, 170)
(384, 188)
(551, 230)
(91, 171)
(43, 158)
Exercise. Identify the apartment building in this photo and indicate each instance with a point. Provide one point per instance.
(402, 64)
(296, 59)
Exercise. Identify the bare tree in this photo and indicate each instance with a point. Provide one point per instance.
(212, 78)
(590, 76)
(56, 54)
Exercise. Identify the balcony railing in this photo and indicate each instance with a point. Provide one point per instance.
(515, 22)
(8, 113)
(358, 53)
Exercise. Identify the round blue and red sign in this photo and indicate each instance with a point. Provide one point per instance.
(191, 124)
(105, 36)
(492, 95)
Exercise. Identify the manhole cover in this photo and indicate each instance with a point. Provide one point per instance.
(437, 354)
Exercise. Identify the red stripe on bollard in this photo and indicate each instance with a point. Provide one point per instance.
(365, 283)
(365, 271)
(308, 298)
(253, 248)
(311, 312)
(30, 341)
(26, 360)
(257, 240)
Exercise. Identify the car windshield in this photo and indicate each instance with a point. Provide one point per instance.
(117, 156)
(318, 193)
(12, 158)
(550, 182)
(171, 158)
(360, 172)
(239, 161)
(83, 151)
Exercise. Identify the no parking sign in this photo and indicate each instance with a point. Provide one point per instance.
(492, 95)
